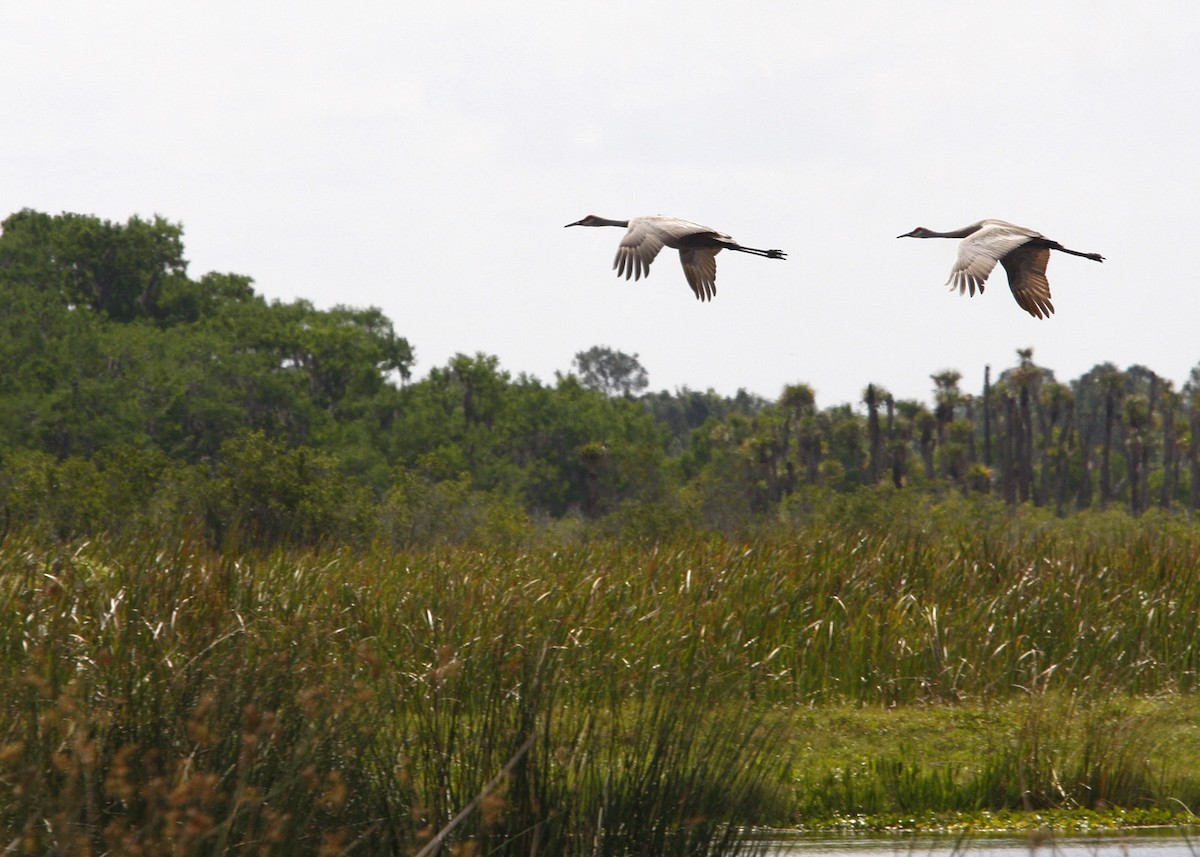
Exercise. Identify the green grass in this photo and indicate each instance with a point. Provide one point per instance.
(870, 658)
(1119, 760)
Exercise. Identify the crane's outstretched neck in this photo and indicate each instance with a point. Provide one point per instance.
(922, 232)
(593, 220)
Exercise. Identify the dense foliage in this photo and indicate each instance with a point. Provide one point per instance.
(137, 397)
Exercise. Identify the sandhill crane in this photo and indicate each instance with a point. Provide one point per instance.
(698, 247)
(1023, 253)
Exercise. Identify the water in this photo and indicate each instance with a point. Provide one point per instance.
(1140, 844)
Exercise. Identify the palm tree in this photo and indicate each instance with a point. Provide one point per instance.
(915, 424)
(798, 402)
(1022, 385)
(946, 396)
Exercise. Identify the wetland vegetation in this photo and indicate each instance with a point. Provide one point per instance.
(264, 592)
(880, 662)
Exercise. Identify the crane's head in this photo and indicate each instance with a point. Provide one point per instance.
(590, 220)
(919, 232)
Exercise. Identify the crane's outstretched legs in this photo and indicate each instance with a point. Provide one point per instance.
(1054, 245)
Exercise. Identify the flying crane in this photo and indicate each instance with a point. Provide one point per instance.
(698, 247)
(1023, 253)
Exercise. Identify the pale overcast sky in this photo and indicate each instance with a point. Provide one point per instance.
(424, 157)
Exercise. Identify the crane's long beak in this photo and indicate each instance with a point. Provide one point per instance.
(576, 223)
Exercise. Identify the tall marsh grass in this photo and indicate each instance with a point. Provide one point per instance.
(178, 700)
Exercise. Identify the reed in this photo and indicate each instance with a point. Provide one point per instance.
(187, 702)
(643, 697)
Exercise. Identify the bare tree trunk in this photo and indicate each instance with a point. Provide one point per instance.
(768, 458)
(1025, 451)
(1066, 435)
(875, 462)
(1083, 498)
(810, 450)
(1137, 451)
(1047, 417)
(895, 446)
(1133, 456)
(1170, 453)
(970, 410)
(783, 484)
(1146, 435)
(1110, 414)
(928, 444)
(987, 415)
(789, 483)
(1010, 443)
(1194, 452)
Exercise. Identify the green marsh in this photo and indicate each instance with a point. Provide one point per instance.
(874, 661)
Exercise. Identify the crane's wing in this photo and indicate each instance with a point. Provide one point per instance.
(639, 246)
(978, 254)
(700, 268)
(1026, 267)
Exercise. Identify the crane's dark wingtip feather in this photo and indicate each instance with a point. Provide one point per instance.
(1039, 308)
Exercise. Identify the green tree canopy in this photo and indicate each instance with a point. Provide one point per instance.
(612, 372)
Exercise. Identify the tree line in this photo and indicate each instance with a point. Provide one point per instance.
(137, 396)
